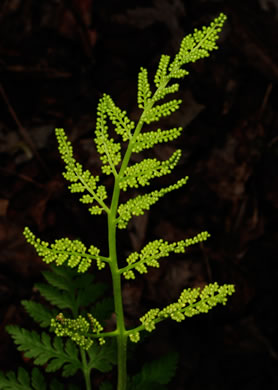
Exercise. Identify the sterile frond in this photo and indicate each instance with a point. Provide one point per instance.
(54, 354)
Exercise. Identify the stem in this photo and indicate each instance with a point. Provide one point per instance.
(115, 271)
(117, 290)
(116, 275)
(86, 370)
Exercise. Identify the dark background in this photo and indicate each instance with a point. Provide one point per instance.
(56, 59)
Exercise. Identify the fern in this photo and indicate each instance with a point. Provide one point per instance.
(77, 308)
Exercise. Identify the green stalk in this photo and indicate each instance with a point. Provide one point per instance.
(117, 290)
(86, 370)
(116, 274)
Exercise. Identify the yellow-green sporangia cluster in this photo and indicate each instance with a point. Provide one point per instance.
(82, 180)
(149, 139)
(64, 250)
(142, 172)
(78, 329)
(137, 206)
(155, 250)
(191, 302)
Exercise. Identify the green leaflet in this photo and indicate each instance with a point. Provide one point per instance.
(103, 357)
(106, 386)
(22, 381)
(43, 350)
(66, 290)
(56, 385)
(102, 309)
(156, 373)
(39, 312)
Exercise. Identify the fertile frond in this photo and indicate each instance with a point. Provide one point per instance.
(109, 150)
(161, 70)
(197, 45)
(144, 89)
(142, 172)
(155, 113)
(82, 181)
(78, 330)
(137, 205)
(40, 348)
(155, 250)
(191, 302)
(149, 139)
(123, 125)
(64, 250)
(96, 327)
(22, 381)
(134, 337)
(159, 371)
(40, 313)
(161, 93)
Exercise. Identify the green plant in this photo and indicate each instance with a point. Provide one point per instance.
(78, 307)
